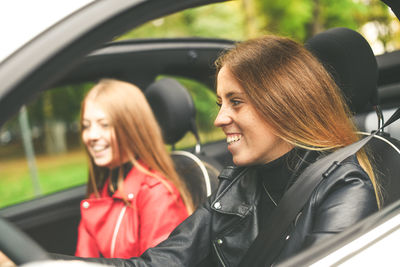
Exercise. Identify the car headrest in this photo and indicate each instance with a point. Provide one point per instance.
(173, 108)
(350, 60)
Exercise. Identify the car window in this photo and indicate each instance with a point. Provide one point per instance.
(40, 148)
(210, 21)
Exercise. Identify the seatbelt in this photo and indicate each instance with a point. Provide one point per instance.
(270, 239)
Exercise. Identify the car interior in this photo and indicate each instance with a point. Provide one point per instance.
(350, 60)
(43, 217)
(176, 114)
(370, 83)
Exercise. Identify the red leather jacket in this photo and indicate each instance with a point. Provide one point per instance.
(110, 228)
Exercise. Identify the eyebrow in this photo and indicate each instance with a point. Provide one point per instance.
(98, 120)
(230, 94)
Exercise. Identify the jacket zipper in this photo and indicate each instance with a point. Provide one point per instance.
(116, 229)
(218, 255)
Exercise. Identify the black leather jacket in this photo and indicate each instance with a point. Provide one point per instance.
(222, 229)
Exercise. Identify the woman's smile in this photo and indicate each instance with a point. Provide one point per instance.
(233, 138)
(99, 150)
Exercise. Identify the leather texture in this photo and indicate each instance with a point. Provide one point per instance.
(111, 228)
(223, 228)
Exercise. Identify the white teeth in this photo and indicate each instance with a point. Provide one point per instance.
(98, 148)
(232, 138)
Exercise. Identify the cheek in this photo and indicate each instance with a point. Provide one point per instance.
(262, 138)
(110, 137)
(84, 137)
(265, 137)
(114, 147)
(258, 129)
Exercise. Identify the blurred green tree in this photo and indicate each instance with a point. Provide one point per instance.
(379, 18)
(222, 20)
(53, 112)
(301, 19)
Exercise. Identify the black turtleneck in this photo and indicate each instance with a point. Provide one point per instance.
(126, 167)
(277, 176)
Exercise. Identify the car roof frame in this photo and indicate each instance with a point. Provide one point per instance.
(141, 61)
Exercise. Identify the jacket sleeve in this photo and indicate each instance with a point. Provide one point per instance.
(160, 211)
(188, 245)
(86, 245)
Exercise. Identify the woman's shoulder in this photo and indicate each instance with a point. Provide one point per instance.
(348, 180)
(348, 170)
(149, 179)
(154, 178)
(144, 175)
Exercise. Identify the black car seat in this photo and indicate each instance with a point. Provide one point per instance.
(350, 60)
(175, 111)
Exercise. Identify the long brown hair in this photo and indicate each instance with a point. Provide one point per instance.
(294, 93)
(137, 135)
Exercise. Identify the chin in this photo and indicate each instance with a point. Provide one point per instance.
(240, 162)
(244, 161)
(102, 164)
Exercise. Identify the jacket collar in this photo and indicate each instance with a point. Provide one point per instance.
(238, 191)
(131, 184)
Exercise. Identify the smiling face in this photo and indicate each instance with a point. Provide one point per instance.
(98, 135)
(250, 139)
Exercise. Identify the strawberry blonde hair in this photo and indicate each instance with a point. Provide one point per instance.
(294, 93)
(137, 136)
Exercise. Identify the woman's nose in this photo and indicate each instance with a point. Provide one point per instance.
(94, 133)
(223, 118)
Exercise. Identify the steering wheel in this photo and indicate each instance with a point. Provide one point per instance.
(18, 246)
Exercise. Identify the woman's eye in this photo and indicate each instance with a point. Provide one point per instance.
(105, 125)
(219, 104)
(235, 102)
(84, 126)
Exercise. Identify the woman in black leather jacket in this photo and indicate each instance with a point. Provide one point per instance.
(280, 111)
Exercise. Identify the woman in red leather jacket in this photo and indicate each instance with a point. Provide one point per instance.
(135, 198)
